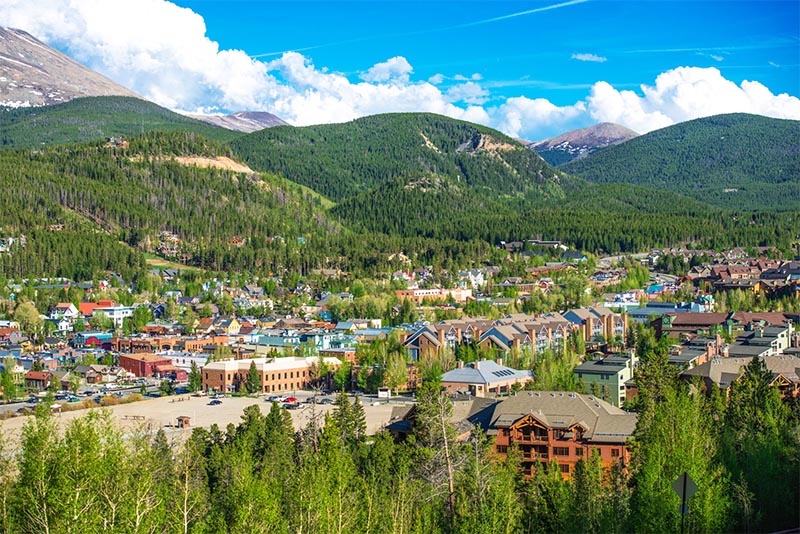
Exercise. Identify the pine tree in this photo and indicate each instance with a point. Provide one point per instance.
(195, 378)
(253, 382)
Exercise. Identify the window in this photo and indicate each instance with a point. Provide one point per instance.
(578, 451)
(615, 453)
(561, 451)
(273, 376)
(564, 468)
(502, 449)
(220, 376)
(284, 376)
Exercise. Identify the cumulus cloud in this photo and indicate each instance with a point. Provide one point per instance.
(470, 93)
(526, 117)
(161, 51)
(396, 70)
(590, 57)
(686, 93)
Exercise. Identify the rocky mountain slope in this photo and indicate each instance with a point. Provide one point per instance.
(34, 74)
(581, 143)
(243, 121)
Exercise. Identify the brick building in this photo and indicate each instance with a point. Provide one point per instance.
(143, 365)
(277, 375)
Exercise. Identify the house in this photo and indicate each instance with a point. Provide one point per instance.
(228, 326)
(38, 380)
(483, 378)
(723, 372)
(64, 310)
(606, 377)
(573, 256)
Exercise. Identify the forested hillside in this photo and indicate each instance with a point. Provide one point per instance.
(94, 119)
(340, 160)
(604, 218)
(222, 219)
(734, 161)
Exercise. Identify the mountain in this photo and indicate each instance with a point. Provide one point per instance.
(95, 118)
(341, 160)
(101, 206)
(736, 161)
(34, 74)
(581, 143)
(243, 121)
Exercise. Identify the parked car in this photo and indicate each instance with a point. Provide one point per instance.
(215, 402)
(218, 396)
(291, 399)
(277, 398)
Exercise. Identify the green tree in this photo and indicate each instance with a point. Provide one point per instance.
(760, 445)
(676, 434)
(7, 381)
(166, 388)
(30, 322)
(101, 322)
(195, 378)
(253, 381)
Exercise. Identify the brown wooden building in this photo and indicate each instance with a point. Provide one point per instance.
(561, 427)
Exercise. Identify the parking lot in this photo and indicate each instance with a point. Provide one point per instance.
(164, 412)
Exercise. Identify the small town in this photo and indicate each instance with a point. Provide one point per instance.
(399, 267)
(217, 342)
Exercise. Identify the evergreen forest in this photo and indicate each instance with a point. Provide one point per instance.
(330, 477)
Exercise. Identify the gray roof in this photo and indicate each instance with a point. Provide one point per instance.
(485, 372)
(609, 364)
(603, 422)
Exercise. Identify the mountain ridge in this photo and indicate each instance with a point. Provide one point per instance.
(35, 74)
(580, 143)
(737, 160)
(242, 121)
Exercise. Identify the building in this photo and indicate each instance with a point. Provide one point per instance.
(483, 378)
(38, 380)
(560, 427)
(276, 375)
(93, 339)
(723, 372)
(144, 365)
(458, 295)
(606, 377)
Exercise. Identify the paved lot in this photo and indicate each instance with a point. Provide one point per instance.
(157, 413)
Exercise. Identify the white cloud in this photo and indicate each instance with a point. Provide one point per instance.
(686, 93)
(395, 70)
(590, 57)
(161, 51)
(716, 57)
(525, 117)
(470, 93)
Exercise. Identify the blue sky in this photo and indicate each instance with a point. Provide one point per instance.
(528, 54)
(531, 69)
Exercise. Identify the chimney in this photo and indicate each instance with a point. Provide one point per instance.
(499, 361)
(476, 365)
(459, 364)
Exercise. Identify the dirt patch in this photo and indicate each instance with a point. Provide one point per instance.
(219, 162)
